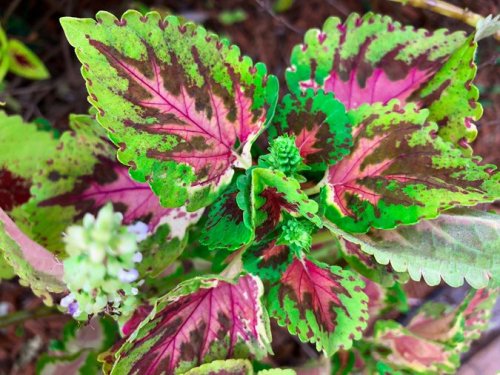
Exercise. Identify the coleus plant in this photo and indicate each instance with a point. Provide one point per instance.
(194, 236)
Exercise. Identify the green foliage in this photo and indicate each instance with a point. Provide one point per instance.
(372, 144)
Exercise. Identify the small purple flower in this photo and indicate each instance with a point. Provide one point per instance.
(140, 230)
(137, 258)
(74, 309)
(128, 276)
(66, 301)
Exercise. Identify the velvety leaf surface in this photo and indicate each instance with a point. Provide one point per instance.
(320, 304)
(319, 123)
(82, 177)
(23, 62)
(224, 367)
(399, 172)
(202, 320)
(461, 244)
(372, 58)
(180, 103)
(24, 149)
(77, 351)
(34, 265)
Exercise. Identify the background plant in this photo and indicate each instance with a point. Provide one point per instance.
(388, 161)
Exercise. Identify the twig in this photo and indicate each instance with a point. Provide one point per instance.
(448, 10)
(281, 20)
(21, 316)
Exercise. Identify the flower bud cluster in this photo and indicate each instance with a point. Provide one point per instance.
(100, 269)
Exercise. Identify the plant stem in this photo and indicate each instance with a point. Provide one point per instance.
(21, 316)
(316, 188)
(447, 10)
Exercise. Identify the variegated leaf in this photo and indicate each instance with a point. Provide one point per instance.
(34, 265)
(271, 192)
(320, 125)
(407, 351)
(373, 59)
(183, 105)
(202, 320)
(267, 260)
(320, 304)
(24, 150)
(400, 172)
(224, 367)
(227, 226)
(23, 62)
(461, 244)
(82, 177)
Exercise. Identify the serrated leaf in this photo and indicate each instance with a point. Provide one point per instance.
(452, 99)
(176, 99)
(373, 59)
(226, 226)
(271, 193)
(320, 125)
(407, 351)
(202, 320)
(24, 149)
(224, 367)
(400, 172)
(34, 265)
(320, 304)
(24, 63)
(369, 59)
(367, 266)
(82, 177)
(79, 349)
(461, 244)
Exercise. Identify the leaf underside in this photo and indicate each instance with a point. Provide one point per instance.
(179, 102)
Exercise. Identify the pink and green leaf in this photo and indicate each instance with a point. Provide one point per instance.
(24, 63)
(82, 177)
(461, 244)
(267, 260)
(179, 102)
(369, 59)
(373, 59)
(271, 194)
(34, 265)
(399, 172)
(410, 352)
(320, 304)
(202, 320)
(319, 123)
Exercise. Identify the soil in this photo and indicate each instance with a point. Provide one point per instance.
(264, 35)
